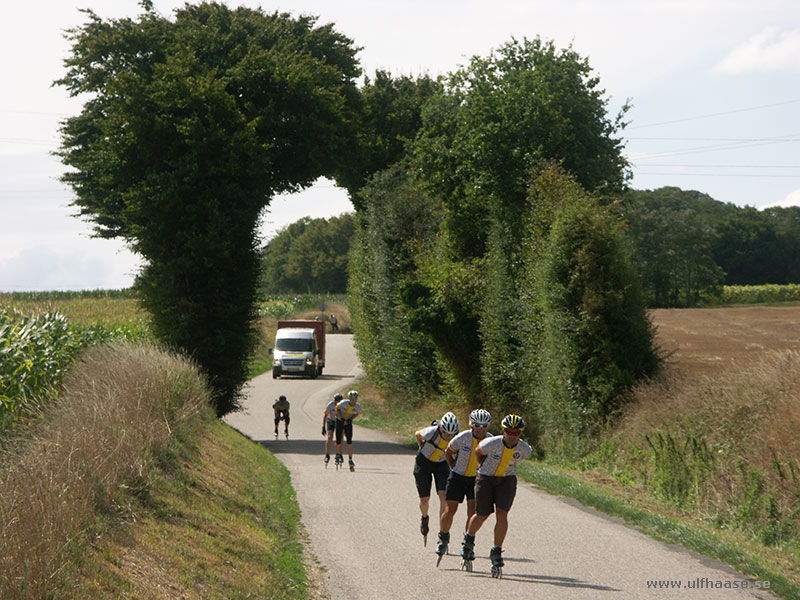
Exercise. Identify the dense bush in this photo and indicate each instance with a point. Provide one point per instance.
(596, 340)
(399, 222)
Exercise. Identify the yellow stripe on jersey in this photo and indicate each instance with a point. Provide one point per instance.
(472, 465)
(508, 454)
(440, 448)
(350, 408)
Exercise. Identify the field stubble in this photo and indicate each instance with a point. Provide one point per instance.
(717, 434)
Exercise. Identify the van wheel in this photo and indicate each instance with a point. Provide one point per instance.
(275, 373)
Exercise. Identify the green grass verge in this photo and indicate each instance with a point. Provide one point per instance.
(219, 521)
(660, 526)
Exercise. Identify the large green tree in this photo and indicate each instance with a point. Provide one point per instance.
(495, 120)
(190, 126)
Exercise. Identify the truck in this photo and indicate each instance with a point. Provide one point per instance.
(299, 348)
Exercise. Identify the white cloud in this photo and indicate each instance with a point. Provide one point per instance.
(792, 199)
(42, 267)
(770, 50)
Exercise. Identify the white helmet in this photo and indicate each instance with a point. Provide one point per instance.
(480, 416)
(448, 424)
(352, 394)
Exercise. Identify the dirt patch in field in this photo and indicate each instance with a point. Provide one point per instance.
(706, 341)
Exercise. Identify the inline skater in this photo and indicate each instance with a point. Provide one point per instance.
(281, 408)
(346, 411)
(495, 488)
(430, 464)
(460, 455)
(329, 424)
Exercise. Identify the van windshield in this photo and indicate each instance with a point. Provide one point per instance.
(293, 344)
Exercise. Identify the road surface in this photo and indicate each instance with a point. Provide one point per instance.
(364, 526)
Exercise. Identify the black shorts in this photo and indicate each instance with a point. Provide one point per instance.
(346, 428)
(330, 425)
(425, 471)
(283, 415)
(494, 491)
(459, 486)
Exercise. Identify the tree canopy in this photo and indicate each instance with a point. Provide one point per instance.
(497, 117)
(189, 127)
(309, 256)
(389, 116)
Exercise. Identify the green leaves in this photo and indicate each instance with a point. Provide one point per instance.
(309, 256)
(501, 114)
(35, 352)
(193, 125)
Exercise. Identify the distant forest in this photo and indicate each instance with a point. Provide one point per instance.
(684, 245)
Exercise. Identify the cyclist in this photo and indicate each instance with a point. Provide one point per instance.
(281, 408)
(496, 485)
(329, 424)
(430, 464)
(460, 455)
(346, 411)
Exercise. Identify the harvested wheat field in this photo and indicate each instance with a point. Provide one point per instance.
(706, 341)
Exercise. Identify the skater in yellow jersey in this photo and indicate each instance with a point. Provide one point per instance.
(495, 488)
(346, 411)
(431, 464)
(329, 424)
(460, 455)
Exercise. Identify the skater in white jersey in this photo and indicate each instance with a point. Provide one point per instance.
(329, 424)
(460, 455)
(496, 486)
(431, 464)
(346, 411)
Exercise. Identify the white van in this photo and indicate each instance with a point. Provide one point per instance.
(295, 353)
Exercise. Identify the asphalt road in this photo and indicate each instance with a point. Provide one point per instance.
(364, 525)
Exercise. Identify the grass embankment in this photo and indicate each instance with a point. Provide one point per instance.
(128, 488)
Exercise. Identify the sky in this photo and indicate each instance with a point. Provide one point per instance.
(714, 87)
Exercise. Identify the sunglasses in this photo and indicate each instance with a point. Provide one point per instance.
(511, 432)
(479, 426)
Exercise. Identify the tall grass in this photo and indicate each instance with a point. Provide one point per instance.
(726, 447)
(121, 406)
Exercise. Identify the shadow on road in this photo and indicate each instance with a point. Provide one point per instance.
(542, 579)
(317, 447)
(326, 377)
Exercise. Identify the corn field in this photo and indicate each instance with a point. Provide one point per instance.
(35, 352)
(759, 294)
